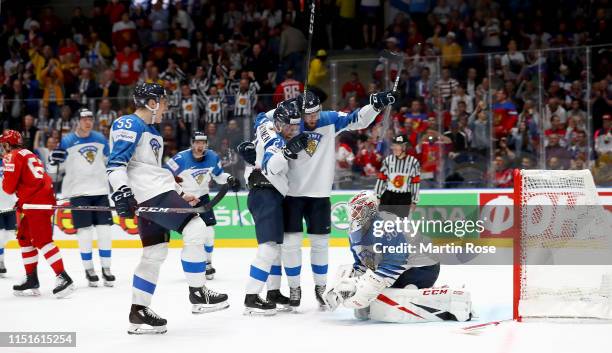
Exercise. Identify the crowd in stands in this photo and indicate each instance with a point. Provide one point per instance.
(542, 103)
(490, 86)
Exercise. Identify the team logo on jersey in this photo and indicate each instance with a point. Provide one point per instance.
(313, 142)
(89, 153)
(199, 175)
(214, 107)
(155, 146)
(242, 101)
(189, 107)
(399, 181)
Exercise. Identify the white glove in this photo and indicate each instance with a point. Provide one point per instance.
(369, 286)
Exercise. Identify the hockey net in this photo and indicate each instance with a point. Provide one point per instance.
(562, 247)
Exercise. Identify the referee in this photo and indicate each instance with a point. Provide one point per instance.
(398, 181)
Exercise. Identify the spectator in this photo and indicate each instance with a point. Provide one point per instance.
(603, 137)
(503, 175)
(461, 96)
(459, 141)
(124, 32)
(288, 89)
(159, 22)
(505, 114)
(451, 51)
(557, 128)
(354, 87)
(29, 132)
(513, 62)
(127, 69)
(108, 87)
(521, 141)
(292, 47)
(553, 108)
(555, 150)
(317, 74)
(114, 10)
(87, 88)
(105, 115)
(580, 146)
(425, 85)
(371, 10)
(52, 79)
(446, 86)
(478, 122)
(43, 151)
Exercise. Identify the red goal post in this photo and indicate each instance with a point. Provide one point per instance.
(562, 247)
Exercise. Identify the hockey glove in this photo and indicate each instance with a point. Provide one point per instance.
(57, 156)
(295, 145)
(125, 203)
(369, 286)
(233, 183)
(380, 100)
(246, 150)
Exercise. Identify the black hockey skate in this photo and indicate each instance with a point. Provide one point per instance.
(320, 295)
(63, 285)
(143, 321)
(210, 272)
(254, 305)
(2, 269)
(295, 296)
(282, 303)
(29, 287)
(206, 300)
(108, 277)
(92, 277)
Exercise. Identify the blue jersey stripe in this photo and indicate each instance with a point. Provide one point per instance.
(258, 274)
(319, 269)
(293, 271)
(193, 267)
(275, 270)
(105, 253)
(143, 285)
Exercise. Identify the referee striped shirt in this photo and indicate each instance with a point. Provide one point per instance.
(399, 175)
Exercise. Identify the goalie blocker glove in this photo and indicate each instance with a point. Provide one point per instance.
(125, 202)
(295, 145)
(380, 100)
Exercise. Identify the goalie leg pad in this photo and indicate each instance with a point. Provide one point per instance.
(421, 305)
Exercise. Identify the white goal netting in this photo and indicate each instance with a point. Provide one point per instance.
(564, 239)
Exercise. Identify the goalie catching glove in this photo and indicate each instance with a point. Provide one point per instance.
(380, 100)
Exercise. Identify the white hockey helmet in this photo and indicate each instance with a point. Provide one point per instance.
(362, 207)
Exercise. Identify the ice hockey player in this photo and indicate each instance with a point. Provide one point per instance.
(392, 286)
(311, 176)
(135, 164)
(24, 175)
(84, 153)
(193, 169)
(7, 220)
(277, 142)
(398, 182)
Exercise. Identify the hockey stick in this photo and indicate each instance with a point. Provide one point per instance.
(385, 121)
(206, 208)
(238, 207)
(308, 52)
(480, 327)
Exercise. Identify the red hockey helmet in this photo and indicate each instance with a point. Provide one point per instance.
(12, 137)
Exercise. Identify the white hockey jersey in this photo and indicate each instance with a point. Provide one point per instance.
(312, 173)
(196, 174)
(135, 159)
(85, 165)
(6, 201)
(270, 159)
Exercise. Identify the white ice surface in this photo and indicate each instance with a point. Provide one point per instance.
(99, 315)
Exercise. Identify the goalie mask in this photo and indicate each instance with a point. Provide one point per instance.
(362, 209)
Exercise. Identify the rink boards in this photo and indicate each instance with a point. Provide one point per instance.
(235, 227)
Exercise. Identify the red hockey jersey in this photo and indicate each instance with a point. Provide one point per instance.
(24, 174)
